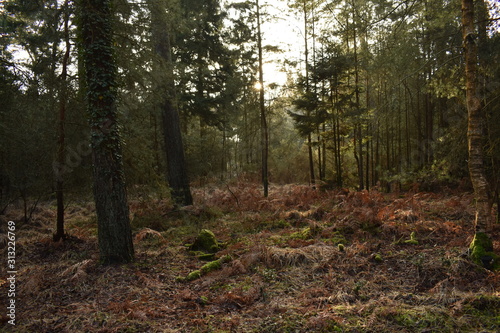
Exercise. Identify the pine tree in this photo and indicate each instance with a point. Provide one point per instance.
(264, 141)
(63, 101)
(174, 149)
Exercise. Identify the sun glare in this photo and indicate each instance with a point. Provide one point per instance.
(257, 85)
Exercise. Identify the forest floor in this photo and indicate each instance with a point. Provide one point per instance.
(302, 260)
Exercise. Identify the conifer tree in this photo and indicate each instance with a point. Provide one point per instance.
(264, 142)
(174, 149)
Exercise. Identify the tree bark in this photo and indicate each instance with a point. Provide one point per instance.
(174, 149)
(481, 247)
(263, 119)
(110, 195)
(476, 121)
(61, 156)
(358, 131)
(312, 177)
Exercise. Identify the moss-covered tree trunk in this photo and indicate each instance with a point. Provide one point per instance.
(481, 250)
(114, 234)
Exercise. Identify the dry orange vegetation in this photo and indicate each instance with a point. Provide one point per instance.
(303, 260)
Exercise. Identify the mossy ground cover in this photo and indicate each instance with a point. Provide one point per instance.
(300, 261)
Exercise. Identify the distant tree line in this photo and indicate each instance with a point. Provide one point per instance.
(382, 96)
(377, 96)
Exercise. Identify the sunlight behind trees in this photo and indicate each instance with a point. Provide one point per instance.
(358, 94)
(383, 94)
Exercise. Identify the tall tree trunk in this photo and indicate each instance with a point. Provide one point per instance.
(156, 143)
(263, 121)
(482, 246)
(408, 107)
(420, 136)
(358, 131)
(320, 158)
(61, 156)
(114, 234)
(246, 158)
(176, 166)
(337, 156)
(369, 132)
(367, 164)
(378, 162)
(399, 159)
(174, 149)
(312, 176)
(323, 147)
(337, 138)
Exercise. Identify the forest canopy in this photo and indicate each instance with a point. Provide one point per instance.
(374, 93)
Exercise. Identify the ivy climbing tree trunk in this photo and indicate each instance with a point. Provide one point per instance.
(481, 246)
(174, 149)
(114, 234)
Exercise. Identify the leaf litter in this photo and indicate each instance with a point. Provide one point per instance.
(302, 260)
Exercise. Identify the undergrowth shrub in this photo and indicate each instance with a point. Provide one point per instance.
(149, 235)
(246, 197)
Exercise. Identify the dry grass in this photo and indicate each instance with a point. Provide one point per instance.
(288, 273)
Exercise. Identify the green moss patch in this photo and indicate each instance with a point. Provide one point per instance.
(205, 269)
(485, 309)
(481, 252)
(413, 239)
(205, 242)
(337, 238)
(303, 234)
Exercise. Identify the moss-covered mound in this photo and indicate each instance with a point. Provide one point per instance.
(205, 242)
(481, 252)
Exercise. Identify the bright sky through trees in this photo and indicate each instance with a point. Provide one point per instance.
(284, 29)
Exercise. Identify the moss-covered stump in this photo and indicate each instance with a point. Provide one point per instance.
(481, 252)
(207, 268)
(205, 242)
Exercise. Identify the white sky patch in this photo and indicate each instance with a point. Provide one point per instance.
(280, 28)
